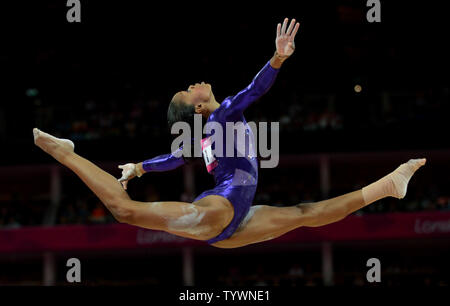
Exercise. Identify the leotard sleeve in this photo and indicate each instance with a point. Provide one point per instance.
(163, 162)
(260, 84)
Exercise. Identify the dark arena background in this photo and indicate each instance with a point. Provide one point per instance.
(354, 101)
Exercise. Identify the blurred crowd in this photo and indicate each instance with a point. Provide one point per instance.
(144, 117)
(17, 210)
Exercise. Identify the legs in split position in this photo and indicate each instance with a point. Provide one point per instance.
(207, 217)
(201, 220)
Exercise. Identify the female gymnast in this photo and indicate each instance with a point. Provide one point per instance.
(223, 216)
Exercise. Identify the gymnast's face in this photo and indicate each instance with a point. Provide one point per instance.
(198, 95)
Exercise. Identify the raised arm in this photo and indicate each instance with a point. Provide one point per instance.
(262, 82)
(165, 162)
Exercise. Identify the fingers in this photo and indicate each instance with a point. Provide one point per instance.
(124, 181)
(124, 184)
(283, 28)
(291, 26)
(291, 31)
(126, 173)
(294, 32)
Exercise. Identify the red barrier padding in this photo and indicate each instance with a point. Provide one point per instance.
(122, 236)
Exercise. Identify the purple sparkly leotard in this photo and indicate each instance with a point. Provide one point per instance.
(236, 177)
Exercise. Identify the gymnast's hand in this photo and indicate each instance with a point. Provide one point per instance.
(128, 172)
(285, 39)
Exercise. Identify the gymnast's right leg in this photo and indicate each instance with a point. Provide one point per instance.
(268, 222)
(201, 220)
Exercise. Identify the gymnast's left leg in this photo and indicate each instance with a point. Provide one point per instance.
(201, 220)
(268, 222)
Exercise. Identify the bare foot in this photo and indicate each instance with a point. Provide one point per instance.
(56, 147)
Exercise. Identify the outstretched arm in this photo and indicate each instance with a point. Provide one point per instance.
(262, 82)
(165, 162)
(161, 163)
